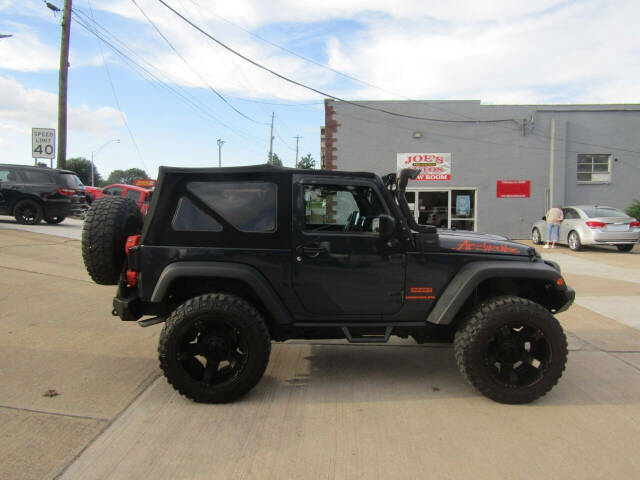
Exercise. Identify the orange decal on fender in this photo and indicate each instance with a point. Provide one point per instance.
(468, 246)
(421, 290)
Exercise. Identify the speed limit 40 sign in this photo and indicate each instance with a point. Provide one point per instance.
(43, 142)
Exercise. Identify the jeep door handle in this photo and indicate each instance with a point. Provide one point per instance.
(311, 251)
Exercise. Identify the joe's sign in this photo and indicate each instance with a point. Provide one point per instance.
(434, 166)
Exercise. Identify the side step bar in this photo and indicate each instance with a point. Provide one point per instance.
(367, 338)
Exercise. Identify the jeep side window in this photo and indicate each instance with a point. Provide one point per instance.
(189, 217)
(341, 208)
(114, 191)
(133, 194)
(248, 206)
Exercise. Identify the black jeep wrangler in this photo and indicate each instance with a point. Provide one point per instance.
(234, 258)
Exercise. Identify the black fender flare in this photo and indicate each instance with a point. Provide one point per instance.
(474, 273)
(237, 271)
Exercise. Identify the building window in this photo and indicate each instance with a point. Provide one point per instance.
(594, 168)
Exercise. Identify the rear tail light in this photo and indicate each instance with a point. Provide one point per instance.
(132, 278)
(67, 192)
(596, 224)
(132, 241)
(634, 224)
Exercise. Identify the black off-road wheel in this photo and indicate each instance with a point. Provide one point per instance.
(54, 220)
(28, 212)
(214, 348)
(625, 247)
(107, 224)
(511, 350)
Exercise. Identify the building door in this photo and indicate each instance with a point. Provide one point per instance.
(462, 208)
(451, 208)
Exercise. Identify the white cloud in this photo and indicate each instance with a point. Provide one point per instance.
(577, 53)
(25, 52)
(254, 13)
(21, 109)
(494, 50)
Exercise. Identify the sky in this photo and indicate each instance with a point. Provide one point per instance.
(160, 100)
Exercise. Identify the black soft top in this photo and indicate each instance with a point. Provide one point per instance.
(264, 168)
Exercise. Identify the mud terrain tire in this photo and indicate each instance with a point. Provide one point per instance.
(193, 338)
(511, 349)
(108, 223)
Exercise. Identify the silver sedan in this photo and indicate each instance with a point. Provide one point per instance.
(592, 225)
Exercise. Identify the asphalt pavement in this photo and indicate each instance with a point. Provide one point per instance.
(69, 228)
(81, 396)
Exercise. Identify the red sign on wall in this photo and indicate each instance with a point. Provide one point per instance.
(513, 189)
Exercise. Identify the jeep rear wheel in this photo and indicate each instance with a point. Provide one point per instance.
(107, 224)
(511, 350)
(214, 348)
(625, 247)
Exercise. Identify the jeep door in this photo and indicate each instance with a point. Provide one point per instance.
(341, 264)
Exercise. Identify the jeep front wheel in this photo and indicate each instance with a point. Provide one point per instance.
(511, 350)
(214, 348)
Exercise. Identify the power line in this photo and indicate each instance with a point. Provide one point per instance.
(472, 139)
(185, 97)
(295, 54)
(192, 68)
(313, 89)
(115, 97)
(283, 141)
(359, 105)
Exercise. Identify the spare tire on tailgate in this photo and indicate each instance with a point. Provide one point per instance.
(108, 223)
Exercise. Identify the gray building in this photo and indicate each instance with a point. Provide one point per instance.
(491, 168)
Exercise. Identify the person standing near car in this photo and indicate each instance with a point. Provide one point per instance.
(554, 218)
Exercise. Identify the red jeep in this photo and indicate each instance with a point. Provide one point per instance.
(142, 196)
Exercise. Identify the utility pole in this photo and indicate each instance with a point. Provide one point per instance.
(271, 142)
(62, 85)
(220, 143)
(297, 137)
(551, 160)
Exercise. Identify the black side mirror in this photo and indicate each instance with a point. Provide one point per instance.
(544, 218)
(386, 225)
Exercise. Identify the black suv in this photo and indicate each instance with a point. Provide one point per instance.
(32, 194)
(234, 258)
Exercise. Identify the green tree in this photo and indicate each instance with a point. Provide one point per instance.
(307, 162)
(633, 210)
(82, 168)
(126, 176)
(275, 160)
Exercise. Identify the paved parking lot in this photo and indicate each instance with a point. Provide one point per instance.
(69, 228)
(323, 409)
